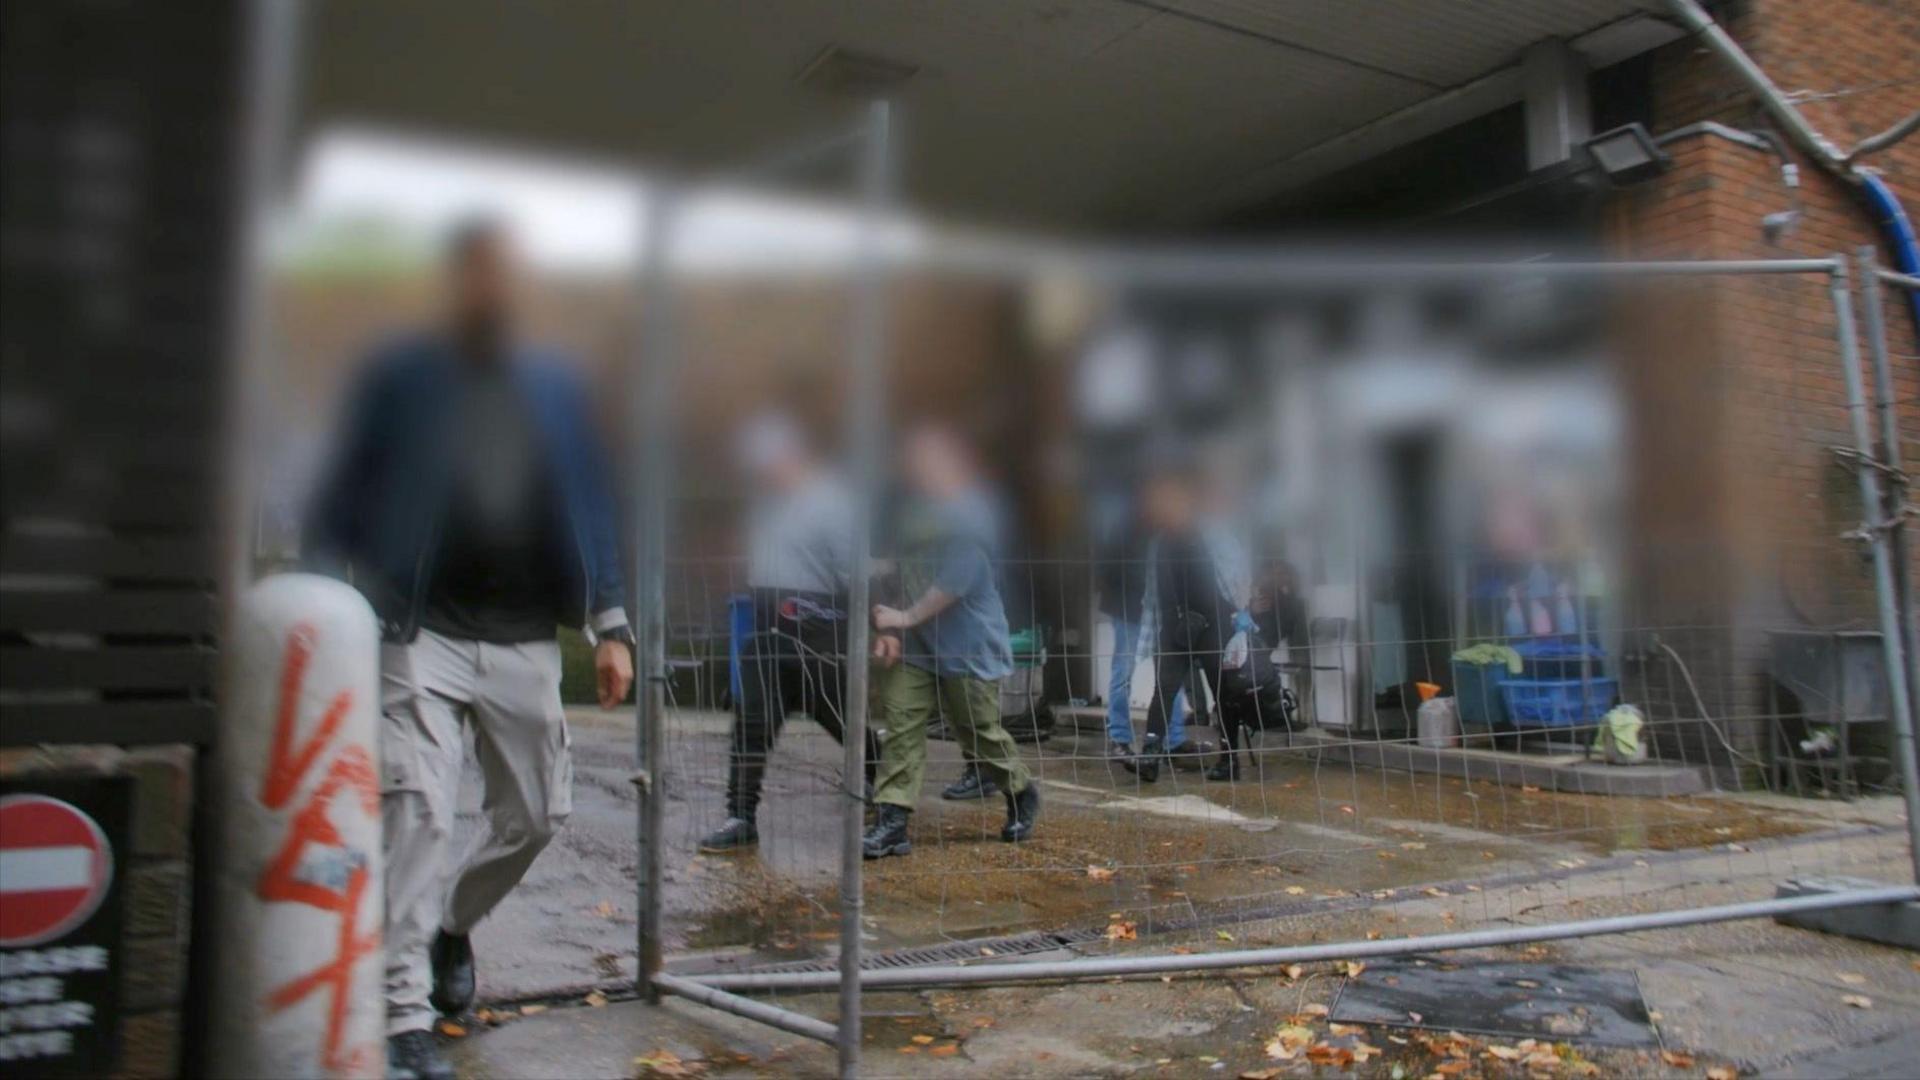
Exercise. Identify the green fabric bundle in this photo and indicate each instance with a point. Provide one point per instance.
(1617, 739)
(1487, 653)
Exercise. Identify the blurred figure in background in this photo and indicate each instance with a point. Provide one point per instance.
(800, 557)
(1194, 610)
(470, 502)
(956, 641)
(1278, 608)
(1124, 577)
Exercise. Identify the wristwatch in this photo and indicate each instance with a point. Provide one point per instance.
(622, 634)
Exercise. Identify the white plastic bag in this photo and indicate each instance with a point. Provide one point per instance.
(1439, 723)
(1235, 654)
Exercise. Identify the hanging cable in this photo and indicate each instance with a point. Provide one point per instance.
(1700, 706)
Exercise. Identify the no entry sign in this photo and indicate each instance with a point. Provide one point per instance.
(63, 840)
(55, 868)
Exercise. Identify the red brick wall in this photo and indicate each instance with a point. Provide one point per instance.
(1751, 396)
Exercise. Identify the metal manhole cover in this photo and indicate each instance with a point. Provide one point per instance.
(1553, 1002)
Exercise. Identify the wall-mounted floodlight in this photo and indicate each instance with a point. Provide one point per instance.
(1627, 154)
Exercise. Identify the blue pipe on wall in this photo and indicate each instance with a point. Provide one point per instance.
(1892, 219)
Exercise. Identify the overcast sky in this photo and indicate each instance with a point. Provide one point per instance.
(568, 215)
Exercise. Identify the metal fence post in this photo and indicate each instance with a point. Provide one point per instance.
(1868, 468)
(650, 420)
(1875, 313)
(865, 354)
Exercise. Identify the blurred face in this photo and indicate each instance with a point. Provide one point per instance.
(782, 473)
(1168, 503)
(934, 463)
(773, 454)
(1284, 579)
(481, 282)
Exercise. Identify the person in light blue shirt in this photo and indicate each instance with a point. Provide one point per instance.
(956, 645)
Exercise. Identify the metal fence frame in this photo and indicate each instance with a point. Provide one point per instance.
(656, 366)
(1873, 283)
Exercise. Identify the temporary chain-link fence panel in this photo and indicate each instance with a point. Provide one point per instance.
(1388, 618)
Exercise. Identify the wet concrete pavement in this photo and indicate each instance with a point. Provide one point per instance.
(1754, 997)
(1296, 832)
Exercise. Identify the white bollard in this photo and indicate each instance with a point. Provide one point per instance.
(299, 968)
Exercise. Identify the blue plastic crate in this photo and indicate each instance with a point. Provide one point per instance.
(1558, 702)
(1476, 691)
(1554, 659)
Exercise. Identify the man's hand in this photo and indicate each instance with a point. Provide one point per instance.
(888, 618)
(613, 671)
(886, 650)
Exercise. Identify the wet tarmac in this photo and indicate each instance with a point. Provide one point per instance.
(1748, 998)
(1110, 851)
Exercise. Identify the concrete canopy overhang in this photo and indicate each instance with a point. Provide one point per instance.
(1067, 114)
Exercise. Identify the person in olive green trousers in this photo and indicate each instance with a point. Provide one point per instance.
(954, 642)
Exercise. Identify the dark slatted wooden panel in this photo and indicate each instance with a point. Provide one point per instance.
(155, 613)
(186, 668)
(128, 723)
(164, 558)
(119, 153)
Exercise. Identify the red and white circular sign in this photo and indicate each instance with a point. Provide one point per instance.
(55, 866)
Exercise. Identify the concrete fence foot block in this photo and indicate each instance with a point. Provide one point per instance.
(1887, 924)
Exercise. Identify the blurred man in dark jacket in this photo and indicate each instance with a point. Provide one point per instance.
(469, 502)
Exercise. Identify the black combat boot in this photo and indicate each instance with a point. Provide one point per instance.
(738, 834)
(973, 784)
(888, 834)
(453, 979)
(413, 1055)
(1021, 810)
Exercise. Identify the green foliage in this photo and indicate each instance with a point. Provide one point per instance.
(576, 668)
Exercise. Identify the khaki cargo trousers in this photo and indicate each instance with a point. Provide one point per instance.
(430, 691)
(910, 699)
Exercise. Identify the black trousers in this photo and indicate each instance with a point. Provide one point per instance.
(1174, 667)
(792, 665)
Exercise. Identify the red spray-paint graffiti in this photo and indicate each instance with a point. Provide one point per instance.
(351, 772)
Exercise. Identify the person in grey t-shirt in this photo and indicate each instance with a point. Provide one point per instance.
(799, 540)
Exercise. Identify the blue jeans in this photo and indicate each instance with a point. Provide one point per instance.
(1126, 636)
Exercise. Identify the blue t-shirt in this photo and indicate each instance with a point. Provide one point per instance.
(951, 545)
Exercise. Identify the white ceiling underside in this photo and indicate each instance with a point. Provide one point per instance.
(1062, 112)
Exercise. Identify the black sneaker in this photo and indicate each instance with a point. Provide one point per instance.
(1021, 810)
(973, 784)
(1227, 768)
(1147, 764)
(453, 980)
(1186, 756)
(413, 1055)
(1120, 754)
(737, 834)
(888, 834)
